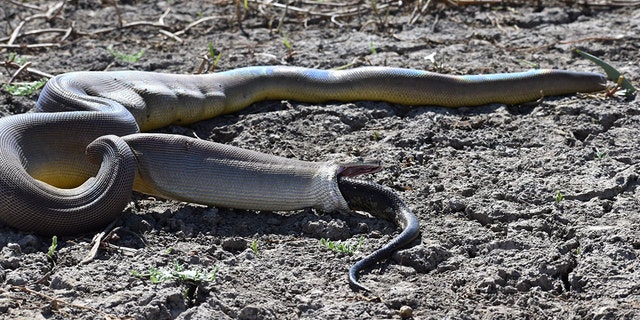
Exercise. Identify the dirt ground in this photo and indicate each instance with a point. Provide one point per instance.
(527, 212)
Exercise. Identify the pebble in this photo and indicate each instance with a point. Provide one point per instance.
(406, 312)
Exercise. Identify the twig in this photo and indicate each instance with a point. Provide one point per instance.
(195, 23)
(19, 71)
(41, 31)
(239, 19)
(55, 301)
(54, 10)
(16, 32)
(349, 12)
(50, 14)
(30, 70)
(115, 5)
(163, 15)
(96, 242)
(284, 14)
(416, 14)
(29, 46)
(171, 35)
(26, 5)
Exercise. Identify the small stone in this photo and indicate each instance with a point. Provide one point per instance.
(406, 312)
(456, 205)
(30, 241)
(249, 313)
(234, 244)
(13, 278)
(14, 248)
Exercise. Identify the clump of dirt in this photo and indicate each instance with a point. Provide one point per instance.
(526, 211)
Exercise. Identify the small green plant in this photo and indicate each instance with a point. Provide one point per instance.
(52, 247)
(558, 197)
(178, 272)
(612, 73)
(376, 136)
(286, 42)
(24, 88)
(14, 57)
(132, 58)
(342, 247)
(254, 246)
(601, 154)
(372, 47)
(212, 54)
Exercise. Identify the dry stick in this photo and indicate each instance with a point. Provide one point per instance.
(14, 65)
(349, 12)
(30, 46)
(54, 300)
(115, 6)
(26, 5)
(166, 32)
(19, 71)
(41, 31)
(68, 33)
(163, 15)
(54, 10)
(171, 35)
(99, 239)
(51, 13)
(239, 18)
(284, 13)
(96, 241)
(16, 32)
(415, 16)
(195, 23)
(125, 26)
(330, 4)
(159, 24)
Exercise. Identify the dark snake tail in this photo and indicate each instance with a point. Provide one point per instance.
(382, 202)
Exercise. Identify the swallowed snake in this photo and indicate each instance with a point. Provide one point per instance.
(70, 165)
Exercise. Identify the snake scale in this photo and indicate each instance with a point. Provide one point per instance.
(70, 165)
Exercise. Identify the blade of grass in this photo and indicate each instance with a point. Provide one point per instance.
(612, 73)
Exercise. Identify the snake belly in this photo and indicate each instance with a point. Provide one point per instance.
(70, 166)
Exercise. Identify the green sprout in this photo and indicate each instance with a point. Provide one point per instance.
(14, 57)
(52, 247)
(212, 54)
(178, 272)
(132, 58)
(601, 154)
(286, 42)
(254, 246)
(558, 197)
(24, 88)
(372, 47)
(342, 247)
(612, 73)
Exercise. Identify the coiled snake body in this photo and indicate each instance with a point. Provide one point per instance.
(71, 165)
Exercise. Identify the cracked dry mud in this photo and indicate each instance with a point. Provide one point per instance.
(484, 182)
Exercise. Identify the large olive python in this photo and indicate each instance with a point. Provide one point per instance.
(71, 164)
